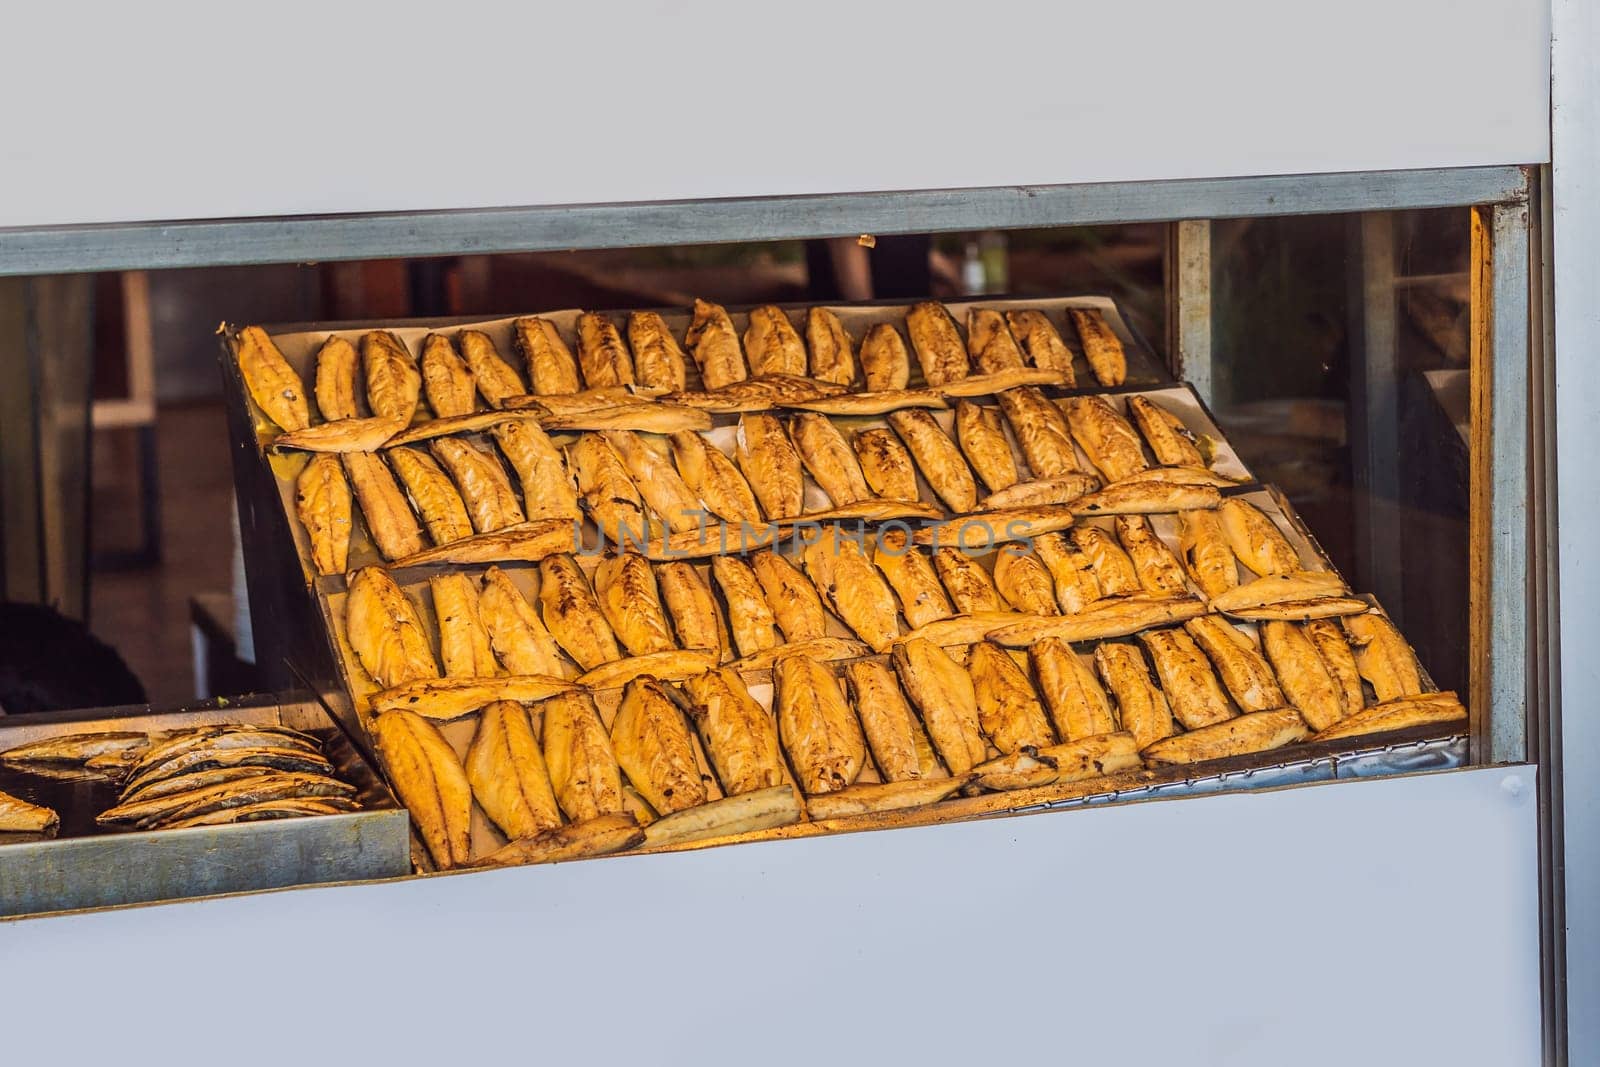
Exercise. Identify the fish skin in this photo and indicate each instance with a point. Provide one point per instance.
(990, 343)
(870, 797)
(1024, 582)
(1073, 696)
(1041, 431)
(1108, 439)
(191, 780)
(1041, 342)
(322, 504)
(832, 350)
(771, 343)
(770, 463)
(1041, 492)
(970, 587)
(750, 618)
(1256, 539)
(388, 517)
(854, 588)
(657, 481)
(613, 501)
(817, 726)
(346, 435)
(658, 360)
(1328, 637)
(551, 368)
(516, 633)
(1249, 679)
(1141, 708)
(915, 581)
(287, 808)
(1158, 569)
(1398, 714)
(430, 781)
(382, 626)
(463, 640)
(696, 619)
(1113, 568)
(485, 490)
(1072, 572)
(1101, 346)
(885, 362)
(573, 615)
(941, 462)
(655, 748)
(602, 354)
(937, 343)
(338, 380)
(985, 445)
(943, 692)
(451, 698)
(1008, 711)
(1382, 657)
(547, 489)
(1206, 554)
(164, 788)
(761, 809)
(886, 465)
(578, 754)
(626, 589)
(273, 384)
(1191, 687)
(714, 478)
(393, 382)
(1257, 731)
(1146, 498)
(793, 601)
(1172, 442)
(1303, 676)
(829, 458)
(74, 750)
(494, 378)
(740, 737)
(163, 811)
(715, 346)
(215, 738)
(444, 513)
(446, 380)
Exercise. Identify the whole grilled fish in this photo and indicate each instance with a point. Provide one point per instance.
(793, 601)
(1041, 432)
(1108, 439)
(854, 588)
(547, 490)
(1141, 708)
(1171, 441)
(885, 363)
(1256, 539)
(1024, 582)
(578, 754)
(817, 727)
(1076, 585)
(985, 446)
(444, 513)
(274, 785)
(1206, 553)
(942, 691)
(970, 587)
(280, 758)
(218, 736)
(74, 750)
(388, 517)
(1113, 569)
(573, 615)
(658, 361)
(713, 478)
(1042, 343)
(900, 747)
(1307, 685)
(1101, 346)
(912, 576)
(274, 385)
(1246, 674)
(886, 465)
(696, 619)
(446, 381)
(1008, 711)
(494, 377)
(937, 457)
(463, 640)
(430, 781)
(990, 342)
(551, 368)
(322, 503)
(1077, 704)
(655, 749)
(657, 480)
(1383, 657)
(769, 460)
(613, 501)
(516, 633)
(937, 343)
(183, 783)
(750, 619)
(626, 589)
(1329, 638)
(383, 628)
(602, 355)
(715, 345)
(1191, 687)
(833, 356)
(829, 457)
(505, 767)
(393, 381)
(1158, 569)
(338, 384)
(740, 736)
(491, 502)
(771, 343)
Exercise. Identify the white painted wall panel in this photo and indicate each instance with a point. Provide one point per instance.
(121, 112)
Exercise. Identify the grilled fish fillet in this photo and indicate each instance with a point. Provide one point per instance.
(450, 698)
(1042, 343)
(516, 632)
(769, 460)
(833, 357)
(434, 494)
(990, 342)
(1258, 731)
(985, 446)
(1008, 710)
(1041, 432)
(1190, 685)
(883, 796)
(1158, 569)
(937, 457)
(1101, 346)
(829, 457)
(547, 491)
(322, 503)
(900, 747)
(1024, 582)
(1147, 498)
(696, 619)
(794, 602)
(1077, 704)
(1171, 441)
(463, 641)
(1041, 493)
(1141, 708)
(657, 480)
(1398, 714)
(445, 378)
(853, 587)
(286, 808)
(457, 425)
(19, 816)
(430, 781)
(1111, 617)
(912, 576)
(750, 619)
(671, 665)
(383, 629)
(600, 836)
(1183, 476)
(1246, 674)
(338, 380)
(1107, 438)
(276, 388)
(613, 502)
(393, 382)
(817, 727)
(602, 354)
(937, 343)
(970, 587)
(158, 803)
(1113, 568)
(740, 737)
(1326, 607)
(943, 692)
(714, 478)
(551, 368)
(506, 770)
(1303, 676)
(1383, 657)
(658, 361)
(494, 377)
(885, 363)
(486, 491)
(578, 754)
(771, 343)
(1329, 639)
(631, 603)
(1206, 553)
(573, 615)
(346, 435)
(655, 749)
(715, 345)
(1076, 586)
(1256, 539)
(886, 465)
(1289, 588)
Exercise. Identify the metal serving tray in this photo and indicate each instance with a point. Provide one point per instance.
(89, 867)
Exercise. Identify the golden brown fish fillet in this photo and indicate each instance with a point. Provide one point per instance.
(1399, 714)
(547, 490)
(1326, 607)
(1008, 709)
(338, 384)
(346, 435)
(912, 576)
(1072, 572)
(714, 478)
(1158, 569)
(998, 382)
(1258, 731)
(759, 394)
(1041, 432)
(1111, 617)
(389, 520)
(759, 809)
(1171, 441)
(1042, 343)
(942, 691)
(793, 601)
(578, 754)
(852, 586)
(771, 343)
(602, 355)
(393, 382)
(655, 749)
(740, 737)
(1190, 685)
(384, 630)
(1291, 588)
(1113, 568)
(1045, 491)
(769, 460)
(18, 816)
(658, 361)
(458, 425)
(829, 457)
(1147, 498)
(653, 474)
(639, 415)
(430, 782)
(1101, 346)
(970, 587)
(506, 769)
(1206, 553)
(817, 727)
(1383, 657)
(573, 615)
(990, 342)
(463, 640)
(446, 380)
(821, 649)
(551, 368)
(1141, 708)
(433, 493)
(833, 357)
(631, 603)
(1302, 674)
(696, 619)
(1246, 674)
(491, 502)
(1107, 438)
(1024, 582)
(1077, 704)
(938, 458)
(984, 444)
(516, 632)
(1182, 476)
(937, 343)
(900, 746)
(443, 699)
(599, 836)
(527, 543)
(750, 618)
(611, 498)
(886, 465)
(871, 797)
(274, 385)
(670, 665)
(715, 345)
(885, 363)
(1256, 539)
(494, 377)
(964, 629)
(1328, 637)
(322, 503)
